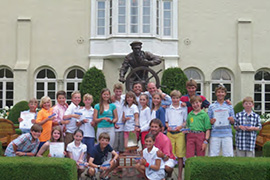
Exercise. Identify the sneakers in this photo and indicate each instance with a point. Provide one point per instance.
(105, 178)
(93, 178)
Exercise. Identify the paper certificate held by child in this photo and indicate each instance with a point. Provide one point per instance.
(221, 116)
(27, 118)
(57, 149)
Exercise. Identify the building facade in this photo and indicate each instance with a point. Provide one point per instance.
(47, 46)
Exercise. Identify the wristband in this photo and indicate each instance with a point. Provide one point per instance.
(147, 164)
(98, 166)
(205, 142)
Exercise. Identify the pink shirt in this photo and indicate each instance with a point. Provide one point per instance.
(164, 144)
(59, 110)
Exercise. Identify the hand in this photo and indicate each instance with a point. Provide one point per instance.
(77, 116)
(20, 119)
(143, 161)
(116, 126)
(93, 123)
(86, 120)
(228, 102)
(243, 128)
(213, 120)
(160, 154)
(127, 118)
(18, 153)
(178, 128)
(33, 121)
(49, 155)
(250, 128)
(231, 119)
(183, 104)
(204, 147)
(103, 168)
(107, 119)
(67, 121)
(65, 128)
(122, 79)
(169, 129)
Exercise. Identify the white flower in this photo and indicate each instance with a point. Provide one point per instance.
(6, 108)
(268, 115)
(11, 107)
(1, 116)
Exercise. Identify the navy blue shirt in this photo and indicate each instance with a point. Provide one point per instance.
(100, 156)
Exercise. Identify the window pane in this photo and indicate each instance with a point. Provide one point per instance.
(146, 11)
(267, 88)
(101, 13)
(41, 74)
(1, 73)
(146, 2)
(267, 97)
(228, 96)
(51, 86)
(50, 74)
(40, 95)
(258, 88)
(167, 23)
(9, 95)
(101, 5)
(167, 31)
(79, 86)
(267, 106)
(71, 74)
(80, 74)
(257, 97)
(101, 31)
(9, 74)
(257, 106)
(134, 2)
(9, 103)
(40, 86)
(51, 95)
(227, 86)
(146, 28)
(122, 10)
(101, 22)
(9, 85)
(121, 29)
(167, 15)
(70, 86)
(134, 19)
(266, 75)
(146, 20)
(134, 29)
(167, 5)
(1, 85)
(121, 19)
(258, 75)
(1, 94)
(69, 95)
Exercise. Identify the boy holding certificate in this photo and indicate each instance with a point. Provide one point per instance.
(221, 115)
(176, 116)
(246, 124)
(28, 118)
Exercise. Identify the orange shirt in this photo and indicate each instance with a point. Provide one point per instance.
(47, 127)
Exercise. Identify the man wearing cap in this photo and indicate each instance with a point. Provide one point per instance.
(138, 58)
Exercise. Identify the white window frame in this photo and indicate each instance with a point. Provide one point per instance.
(46, 80)
(5, 80)
(198, 81)
(221, 81)
(76, 81)
(262, 82)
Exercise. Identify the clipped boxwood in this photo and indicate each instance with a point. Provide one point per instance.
(174, 79)
(238, 107)
(266, 149)
(1, 149)
(93, 82)
(15, 112)
(231, 168)
(32, 168)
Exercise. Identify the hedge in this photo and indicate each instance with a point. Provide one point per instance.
(1, 149)
(266, 149)
(32, 168)
(231, 168)
(15, 112)
(238, 107)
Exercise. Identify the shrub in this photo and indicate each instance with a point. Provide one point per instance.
(93, 82)
(1, 149)
(32, 168)
(266, 149)
(238, 107)
(231, 168)
(174, 79)
(15, 112)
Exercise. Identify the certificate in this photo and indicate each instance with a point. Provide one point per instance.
(27, 117)
(57, 149)
(221, 116)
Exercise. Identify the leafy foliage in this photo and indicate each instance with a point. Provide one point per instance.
(174, 79)
(266, 149)
(238, 107)
(15, 112)
(93, 82)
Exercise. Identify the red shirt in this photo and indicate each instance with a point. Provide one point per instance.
(164, 144)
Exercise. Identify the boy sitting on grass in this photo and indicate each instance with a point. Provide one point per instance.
(101, 159)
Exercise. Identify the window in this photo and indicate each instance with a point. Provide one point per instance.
(221, 76)
(134, 17)
(262, 92)
(46, 84)
(6, 88)
(73, 81)
(194, 74)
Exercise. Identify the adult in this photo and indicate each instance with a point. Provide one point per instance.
(151, 90)
(138, 58)
(164, 145)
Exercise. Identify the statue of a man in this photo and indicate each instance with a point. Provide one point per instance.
(138, 58)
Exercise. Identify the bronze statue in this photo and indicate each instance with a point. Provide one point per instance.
(135, 59)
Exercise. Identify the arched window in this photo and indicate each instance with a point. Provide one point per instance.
(45, 84)
(222, 76)
(262, 92)
(194, 74)
(73, 81)
(6, 88)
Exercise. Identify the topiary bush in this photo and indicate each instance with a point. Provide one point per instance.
(93, 82)
(174, 79)
(238, 107)
(15, 112)
(266, 149)
(1, 149)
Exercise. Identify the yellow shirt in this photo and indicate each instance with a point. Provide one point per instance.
(47, 127)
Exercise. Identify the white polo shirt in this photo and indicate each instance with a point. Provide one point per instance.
(119, 106)
(176, 116)
(77, 151)
(130, 112)
(71, 126)
(88, 130)
(144, 119)
(151, 157)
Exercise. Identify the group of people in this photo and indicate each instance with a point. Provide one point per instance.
(169, 127)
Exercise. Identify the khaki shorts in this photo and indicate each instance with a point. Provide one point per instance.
(178, 144)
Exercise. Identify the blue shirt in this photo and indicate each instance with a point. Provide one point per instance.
(99, 155)
(221, 131)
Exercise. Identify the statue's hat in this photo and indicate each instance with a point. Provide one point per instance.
(135, 43)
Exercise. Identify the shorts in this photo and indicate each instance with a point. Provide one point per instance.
(89, 142)
(119, 141)
(178, 144)
(170, 163)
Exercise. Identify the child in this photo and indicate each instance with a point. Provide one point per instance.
(246, 124)
(26, 144)
(56, 136)
(87, 124)
(60, 108)
(199, 124)
(33, 104)
(45, 118)
(105, 115)
(130, 116)
(191, 87)
(221, 115)
(158, 111)
(119, 125)
(144, 118)
(176, 116)
(153, 165)
(76, 151)
(101, 160)
(71, 116)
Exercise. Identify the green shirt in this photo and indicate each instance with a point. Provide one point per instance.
(106, 113)
(198, 122)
